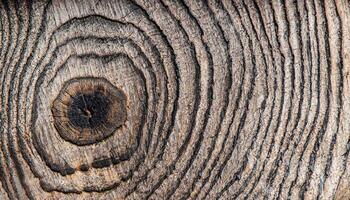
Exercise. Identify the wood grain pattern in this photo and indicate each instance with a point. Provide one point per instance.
(221, 99)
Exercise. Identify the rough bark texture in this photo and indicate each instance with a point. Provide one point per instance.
(172, 99)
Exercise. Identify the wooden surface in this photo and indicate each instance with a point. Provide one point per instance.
(175, 99)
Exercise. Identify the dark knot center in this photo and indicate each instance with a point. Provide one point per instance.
(89, 110)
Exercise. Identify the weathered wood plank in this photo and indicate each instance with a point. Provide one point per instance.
(163, 99)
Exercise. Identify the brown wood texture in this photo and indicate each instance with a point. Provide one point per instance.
(164, 99)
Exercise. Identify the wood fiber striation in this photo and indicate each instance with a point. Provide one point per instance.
(163, 99)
